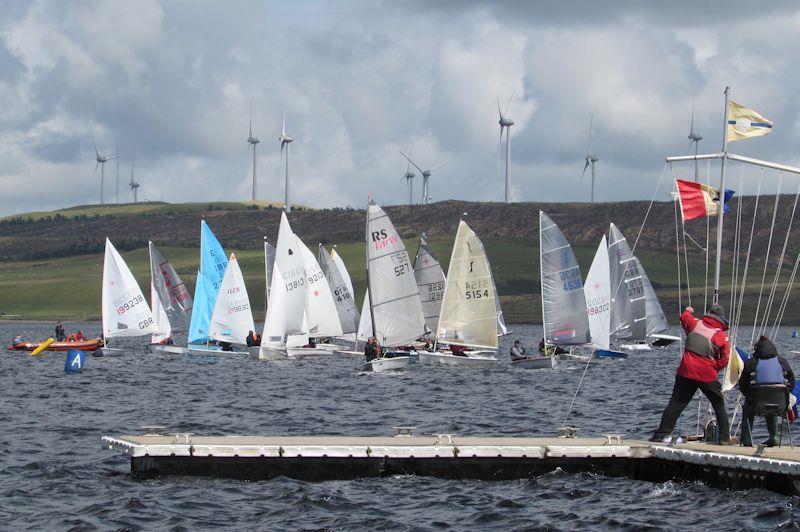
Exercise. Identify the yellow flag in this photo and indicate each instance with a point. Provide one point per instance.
(744, 123)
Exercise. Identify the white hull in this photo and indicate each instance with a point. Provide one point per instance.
(663, 340)
(332, 347)
(542, 362)
(300, 352)
(212, 350)
(108, 352)
(389, 364)
(474, 359)
(267, 353)
(169, 349)
(347, 353)
(635, 347)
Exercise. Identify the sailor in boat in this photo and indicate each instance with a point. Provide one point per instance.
(551, 350)
(371, 350)
(60, 332)
(252, 339)
(765, 383)
(458, 350)
(706, 353)
(518, 352)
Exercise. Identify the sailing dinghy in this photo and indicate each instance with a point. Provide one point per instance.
(125, 310)
(395, 308)
(430, 283)
(213, 263)
(597, 292)
(341, 289)
(170, 301)
(469, 314)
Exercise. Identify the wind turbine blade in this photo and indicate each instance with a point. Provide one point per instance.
(410, 147)
(97, 153)
(251, 121)
(499, 112)
(283, 127)
(585, 166)
(133, 160)
(412, 162)
(509, 103)
(589, 145)
(441, 163)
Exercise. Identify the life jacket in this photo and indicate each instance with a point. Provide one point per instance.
(768, 371)
(699, 340)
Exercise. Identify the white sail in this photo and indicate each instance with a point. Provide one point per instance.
(287, 294)
(597, 292)
(563, 302)
(396, 308)
(342, 270)
(656, 321)
(269, 266)
(340, 288)
(163, 329)
(365, 322)
(125, 311)
(502, 328)
(628, 312)
(232, 319)
(321, 313)
(469, 314)
(430, 283)
(169, 298)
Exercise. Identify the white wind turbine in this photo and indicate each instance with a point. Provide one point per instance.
(694, 137)
(253, 141)
(133, 185)
(409, 177)
(101, 162)
(426, 177)
(505, 122)
(590, 158)
(285, 140)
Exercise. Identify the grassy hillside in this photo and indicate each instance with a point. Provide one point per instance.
(69, 288)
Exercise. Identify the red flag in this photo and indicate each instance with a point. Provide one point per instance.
(697, 200)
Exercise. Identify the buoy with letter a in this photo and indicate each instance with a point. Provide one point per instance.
(75, 360)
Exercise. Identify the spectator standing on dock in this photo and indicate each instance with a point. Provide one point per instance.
(60, 332)
(706, 352)
(765, 371)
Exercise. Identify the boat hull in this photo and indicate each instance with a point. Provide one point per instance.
(380, 365)
(607, 353)
(168, 349)
(86, 345)
(212, 350)
(108, 352)
(663, 340)
(542, 362)
(474, 359)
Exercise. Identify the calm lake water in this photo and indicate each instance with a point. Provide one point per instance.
(54, 474)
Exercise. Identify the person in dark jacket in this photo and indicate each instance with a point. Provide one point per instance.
(60, 332)
(707, 350)
(764, 368)
(371, 349)
(252, 341)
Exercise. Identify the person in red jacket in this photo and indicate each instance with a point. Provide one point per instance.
(706, 352)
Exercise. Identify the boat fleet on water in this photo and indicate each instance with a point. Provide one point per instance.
(412, 309)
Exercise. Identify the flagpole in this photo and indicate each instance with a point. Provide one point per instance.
(721, 201)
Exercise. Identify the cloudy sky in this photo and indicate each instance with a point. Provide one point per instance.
(360, 80)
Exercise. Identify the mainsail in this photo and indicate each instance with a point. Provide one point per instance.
(342, 295)
(656, 321)
(563, 302)
(213, 262)
(171, 302)
(125, 311)
(597, 292)
(269, 266)
(365, 322)
(628, 309)
(232, 318)
(394, 298)
(469, 314)
(287, 294)
(430, 283)
(321, 313)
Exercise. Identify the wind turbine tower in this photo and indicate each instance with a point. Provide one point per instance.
(506, 122)
(253, 141)
(285, 140)
(133, 185)
(101, 162)
(696, 138)
(409, 176)
(590, 158)
(426, 177)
